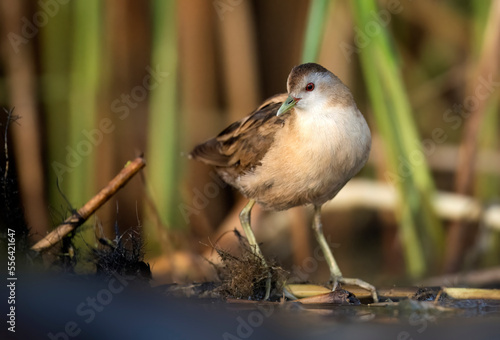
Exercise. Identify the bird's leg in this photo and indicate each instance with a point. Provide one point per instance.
(245, 223)
(335, 272)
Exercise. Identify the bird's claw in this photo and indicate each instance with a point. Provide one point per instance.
(356, 282)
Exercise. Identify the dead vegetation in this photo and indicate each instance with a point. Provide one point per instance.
(244, 276)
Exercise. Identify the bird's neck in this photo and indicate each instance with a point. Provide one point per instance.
(336, 128)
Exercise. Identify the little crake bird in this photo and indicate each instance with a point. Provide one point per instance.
(295, 149)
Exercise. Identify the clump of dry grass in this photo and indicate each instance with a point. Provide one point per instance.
(123, 255)
(244, 276)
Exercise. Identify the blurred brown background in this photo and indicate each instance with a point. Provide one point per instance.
(97, 83)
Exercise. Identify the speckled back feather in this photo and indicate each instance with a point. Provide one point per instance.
(241, 146)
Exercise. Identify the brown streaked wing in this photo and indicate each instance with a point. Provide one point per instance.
(243, 144)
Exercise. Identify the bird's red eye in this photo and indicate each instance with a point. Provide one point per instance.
(310, 87)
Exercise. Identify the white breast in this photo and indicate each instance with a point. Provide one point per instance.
(313, 158)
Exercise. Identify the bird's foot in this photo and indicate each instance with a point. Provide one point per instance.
(356, 282)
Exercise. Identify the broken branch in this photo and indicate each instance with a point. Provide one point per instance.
(79, 217)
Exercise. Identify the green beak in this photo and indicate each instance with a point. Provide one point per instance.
(287, 105)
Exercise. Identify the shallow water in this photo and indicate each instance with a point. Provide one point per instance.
(62, 308)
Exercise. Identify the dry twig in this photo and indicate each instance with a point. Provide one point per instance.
(79, 217)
